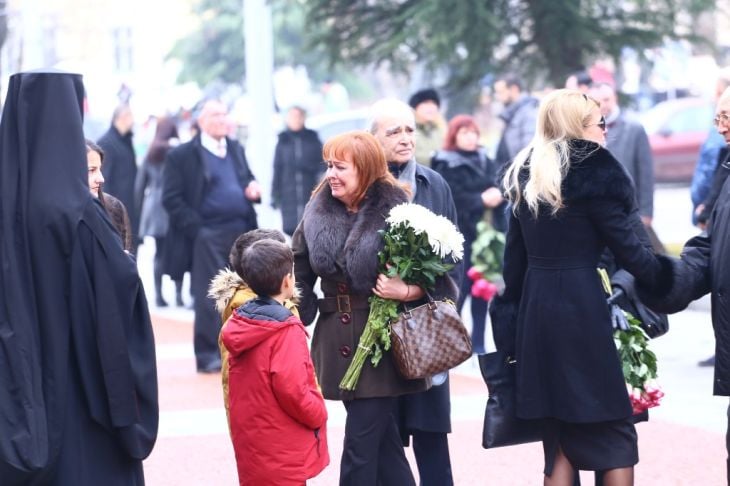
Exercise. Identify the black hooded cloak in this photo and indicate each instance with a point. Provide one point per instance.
(77, 361)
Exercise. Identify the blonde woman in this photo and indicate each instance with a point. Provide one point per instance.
(571, 200)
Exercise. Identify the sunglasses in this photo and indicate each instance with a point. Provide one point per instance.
(601, 124)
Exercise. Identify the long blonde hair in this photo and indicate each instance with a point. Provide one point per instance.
(562, 117)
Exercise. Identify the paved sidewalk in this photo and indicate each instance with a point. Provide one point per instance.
(683, 444)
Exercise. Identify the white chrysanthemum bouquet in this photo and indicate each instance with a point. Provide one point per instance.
(416, 242)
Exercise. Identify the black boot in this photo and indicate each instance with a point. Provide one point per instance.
(178, 294)
(159, 300)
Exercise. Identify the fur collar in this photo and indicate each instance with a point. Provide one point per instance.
(595, 173)
(223, 287)
(454, 158)
(347, 244)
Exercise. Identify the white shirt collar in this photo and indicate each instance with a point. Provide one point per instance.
(212, 145)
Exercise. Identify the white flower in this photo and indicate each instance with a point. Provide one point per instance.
(442, 235)
(444, 238)
(412, 215)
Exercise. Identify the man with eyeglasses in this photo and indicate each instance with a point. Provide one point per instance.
(626, 139)
(712, 152)
(703, 269)
(722, 124)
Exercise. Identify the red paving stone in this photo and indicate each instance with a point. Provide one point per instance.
(671, 454)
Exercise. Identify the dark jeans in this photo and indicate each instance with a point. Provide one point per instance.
(210, 254)
(373, 452)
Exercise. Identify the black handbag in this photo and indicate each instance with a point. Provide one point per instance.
(625, 297)
(501, 426)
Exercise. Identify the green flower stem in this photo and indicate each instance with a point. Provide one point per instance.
(374, 339)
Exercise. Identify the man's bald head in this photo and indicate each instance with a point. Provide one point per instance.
(388, 108)
(393, 124)
(213, 119)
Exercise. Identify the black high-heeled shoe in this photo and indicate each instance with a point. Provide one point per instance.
(160, 302)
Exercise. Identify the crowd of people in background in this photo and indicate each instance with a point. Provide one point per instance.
(257, 292)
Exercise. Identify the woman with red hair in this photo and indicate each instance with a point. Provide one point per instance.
(473, 180)
(337, 245)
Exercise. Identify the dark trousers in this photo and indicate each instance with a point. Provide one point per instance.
(210, 254)
(373, 452)
(432, 456)
(478, 306)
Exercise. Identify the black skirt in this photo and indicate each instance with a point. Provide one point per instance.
(597, 446)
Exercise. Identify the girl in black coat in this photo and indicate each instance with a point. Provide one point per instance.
(571, 200)
(154, 220)
(471, 175)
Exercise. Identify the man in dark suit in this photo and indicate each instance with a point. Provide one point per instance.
(425, 416)
(208, 190)
(626, 139)
(120, 164)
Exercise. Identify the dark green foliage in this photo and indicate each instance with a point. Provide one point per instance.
(216, 50)
(415, 263)
(638, 362)
(540, 39)
(487, 252)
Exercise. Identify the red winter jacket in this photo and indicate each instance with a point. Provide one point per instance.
(278, 415)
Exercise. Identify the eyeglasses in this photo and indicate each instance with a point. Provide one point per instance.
(601, 124)
(722, 118)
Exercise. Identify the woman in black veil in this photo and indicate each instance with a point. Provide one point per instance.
(77, 359)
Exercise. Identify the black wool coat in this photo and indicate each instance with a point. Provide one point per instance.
(553, 316)
(298, 167)
(703, 268)
(120, 171)
(184, 184)
(467, 180)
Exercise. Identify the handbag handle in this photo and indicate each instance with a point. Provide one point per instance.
(407, 312)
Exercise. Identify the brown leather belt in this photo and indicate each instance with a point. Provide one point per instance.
(343, 303)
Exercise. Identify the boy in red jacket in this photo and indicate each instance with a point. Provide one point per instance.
(278, 415)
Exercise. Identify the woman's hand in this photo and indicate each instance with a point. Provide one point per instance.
(396, 289)
(492, 197)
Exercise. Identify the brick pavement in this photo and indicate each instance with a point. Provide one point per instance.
(193, 447)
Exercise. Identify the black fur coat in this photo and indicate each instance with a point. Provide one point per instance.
(553, 315)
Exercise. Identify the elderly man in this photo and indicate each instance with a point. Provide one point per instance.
(703, 269)
(626, 139)
(208, 190)
(426, 415)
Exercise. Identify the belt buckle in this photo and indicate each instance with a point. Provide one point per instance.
(343, 303)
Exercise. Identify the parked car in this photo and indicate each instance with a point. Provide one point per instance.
(327, 125)
(677, 128)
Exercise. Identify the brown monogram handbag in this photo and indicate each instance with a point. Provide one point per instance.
(429, 339)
